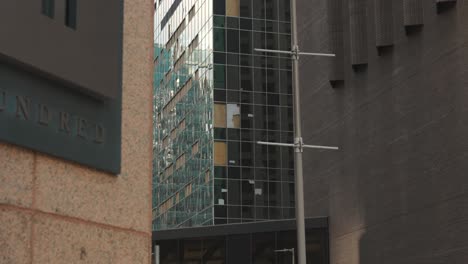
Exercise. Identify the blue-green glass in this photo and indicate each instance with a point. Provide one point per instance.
(220, 76)
(219, 21)
(219, 39)
(212, 59)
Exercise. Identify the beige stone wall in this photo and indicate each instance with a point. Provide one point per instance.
(53, 211)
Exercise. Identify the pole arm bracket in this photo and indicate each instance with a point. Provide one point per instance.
(298, 144)
(295, 52)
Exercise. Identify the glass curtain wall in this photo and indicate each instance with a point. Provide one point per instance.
(252, 102)
(183, 107)
(214, 97)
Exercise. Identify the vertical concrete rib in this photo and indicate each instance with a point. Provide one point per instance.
(358, 31)
(383, 23)
(413, 12)
(335, 39)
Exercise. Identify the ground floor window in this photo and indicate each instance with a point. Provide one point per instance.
(246, 248)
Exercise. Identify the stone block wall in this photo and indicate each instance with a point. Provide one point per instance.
(54, 211)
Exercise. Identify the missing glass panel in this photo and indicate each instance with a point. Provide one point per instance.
(232, 8)
(220, 154)
(233, 116)
(220, 115)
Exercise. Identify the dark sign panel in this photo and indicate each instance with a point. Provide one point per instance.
(60, 79)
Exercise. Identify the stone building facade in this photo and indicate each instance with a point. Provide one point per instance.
(56, 211)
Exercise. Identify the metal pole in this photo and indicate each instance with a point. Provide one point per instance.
(296, 146)
(290, 52)
(156, 254)
(300, 226)
(293, 257)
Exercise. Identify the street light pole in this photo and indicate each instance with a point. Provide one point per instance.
(299, 186)
(298, 141)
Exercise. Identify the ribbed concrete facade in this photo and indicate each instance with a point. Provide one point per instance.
(397, 191)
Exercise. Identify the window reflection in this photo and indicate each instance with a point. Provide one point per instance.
(233, 116)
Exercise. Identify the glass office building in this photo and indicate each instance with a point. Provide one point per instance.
(214, 98)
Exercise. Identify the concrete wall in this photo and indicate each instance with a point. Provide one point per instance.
(397, 191)
(52, 211)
